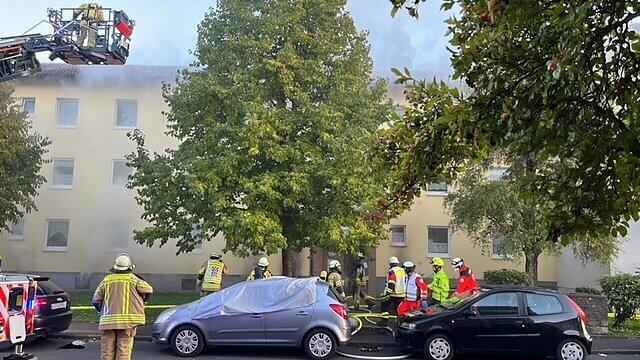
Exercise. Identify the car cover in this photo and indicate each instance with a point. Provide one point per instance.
(260, 296)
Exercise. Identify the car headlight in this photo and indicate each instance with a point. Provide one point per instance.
(408, 326)
(164, 316)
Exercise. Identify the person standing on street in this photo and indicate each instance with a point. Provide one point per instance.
(261, 270)
(395, 290)
(467, 280)
(335, 277)
(120, 299)
(361, 280)
(417, 290)
(210, 274)
(439, 287)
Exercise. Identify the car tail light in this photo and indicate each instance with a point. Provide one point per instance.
(340, 310)
(581, 312)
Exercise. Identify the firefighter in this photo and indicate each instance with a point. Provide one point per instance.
(361, 279)
(261, 270)
(467, 280)
(417, 290)
(210, 274)
(90, 15)
(120, 299)
(323, 275)
(335, 278)
(395, 290)
(439, 287)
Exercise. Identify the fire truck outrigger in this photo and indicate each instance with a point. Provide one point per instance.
(112, 33)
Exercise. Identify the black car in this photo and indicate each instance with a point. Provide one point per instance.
(52, 308)
(500, 321)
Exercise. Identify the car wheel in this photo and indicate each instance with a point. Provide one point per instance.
(571, 349)
(187, 341)
(438, 347)
(320, 344)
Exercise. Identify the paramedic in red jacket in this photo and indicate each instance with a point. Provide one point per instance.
(417, 290)
(467, 281)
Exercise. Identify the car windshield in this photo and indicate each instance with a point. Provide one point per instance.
(48, 288)
(458, 301)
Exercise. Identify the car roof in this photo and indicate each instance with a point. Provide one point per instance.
(30, 276)
(503, 288)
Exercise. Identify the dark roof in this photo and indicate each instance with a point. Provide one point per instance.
(516, 288)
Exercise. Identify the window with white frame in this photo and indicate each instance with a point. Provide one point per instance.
(120, 172)
(498, 247)
(57, 235)
(17, 230)
(118, 233)
(497, 173)
(398, 235)
(62, 173)
(438, 241)
(126, 114)
(439, 188)
(29, 106)
(67, 113)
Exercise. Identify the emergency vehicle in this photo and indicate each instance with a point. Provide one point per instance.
(17, 300)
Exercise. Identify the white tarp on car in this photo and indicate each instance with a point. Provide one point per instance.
(260, 296)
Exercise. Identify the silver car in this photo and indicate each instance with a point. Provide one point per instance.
(278, 311)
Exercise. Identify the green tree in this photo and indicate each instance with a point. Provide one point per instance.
(20, 161)
(558, 80)
(275, 121)
(485, 208)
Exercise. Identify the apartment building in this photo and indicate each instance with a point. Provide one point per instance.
(86, 215)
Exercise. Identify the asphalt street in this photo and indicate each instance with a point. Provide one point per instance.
(48, 349)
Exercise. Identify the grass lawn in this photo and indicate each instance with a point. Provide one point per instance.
(629, 328)
(83, 298)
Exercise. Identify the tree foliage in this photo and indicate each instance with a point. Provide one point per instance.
(275, 119)
(557, 80)
(20, 161)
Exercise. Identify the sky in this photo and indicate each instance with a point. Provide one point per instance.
(166, 31)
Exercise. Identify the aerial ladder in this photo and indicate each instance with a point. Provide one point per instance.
(113, 36)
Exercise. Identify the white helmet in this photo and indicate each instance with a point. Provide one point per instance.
(123, 262)
(394, 260)
(360, 255)
(334, 264)
(264, 262)
(457, 263)
(214, 255)
(408, 264)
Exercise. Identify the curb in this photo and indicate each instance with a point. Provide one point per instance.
(91, 334)
(615, 352)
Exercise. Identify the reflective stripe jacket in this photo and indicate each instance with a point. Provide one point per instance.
(439, 287)
(335, 280)
(91, 11)
(416, 288)
(361, 273)
(396, 282)
(121, 298)
(467, 281)
(211, 274)
(256, 275)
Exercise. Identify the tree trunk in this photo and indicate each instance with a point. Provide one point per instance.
(531, 267)
(287, 262)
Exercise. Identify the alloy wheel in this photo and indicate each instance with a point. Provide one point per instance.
(320, 344)
(439, 349)
(572, 351)
(187, 341)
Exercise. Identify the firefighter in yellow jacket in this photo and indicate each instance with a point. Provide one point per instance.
(210, 274)
(335, 278)
(120, 299)
(90, 15)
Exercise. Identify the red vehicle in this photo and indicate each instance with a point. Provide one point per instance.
(17, 297)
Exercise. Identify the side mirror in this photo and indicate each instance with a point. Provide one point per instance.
(470, 312)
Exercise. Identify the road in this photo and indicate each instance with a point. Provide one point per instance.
(48, 349)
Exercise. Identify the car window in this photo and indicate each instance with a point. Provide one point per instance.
(48, 288)
(498, 304)
(333, 294)
(538, 304)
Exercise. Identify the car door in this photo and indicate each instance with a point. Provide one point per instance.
(237, 329)
(286, 327)
(494, 324)
(546, 315)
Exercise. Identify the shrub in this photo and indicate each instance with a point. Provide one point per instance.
(506, 277)
(623, 293)
(587, 290)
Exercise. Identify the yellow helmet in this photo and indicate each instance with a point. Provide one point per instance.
(437, 261)
(323, 275)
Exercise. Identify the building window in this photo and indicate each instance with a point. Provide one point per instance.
(62, 173)
(499, 252)
(120, 172)
(118, 234)
(126, 114)
(67, 113)
(398, 235)
(29, 106)
(497, 174)
(438, 241)
(17, 230)
(196, 232)
(57, 235)
(439, 188)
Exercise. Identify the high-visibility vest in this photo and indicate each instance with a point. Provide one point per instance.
(439, 287)
(213, 274)
(91, 11)
(122, 302)
(400, 282)
(253, 275)
(414, 292)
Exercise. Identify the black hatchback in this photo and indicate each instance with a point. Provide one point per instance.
(52, 308)
(500, 321)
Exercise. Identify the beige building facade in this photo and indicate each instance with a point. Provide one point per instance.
(86, 216)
